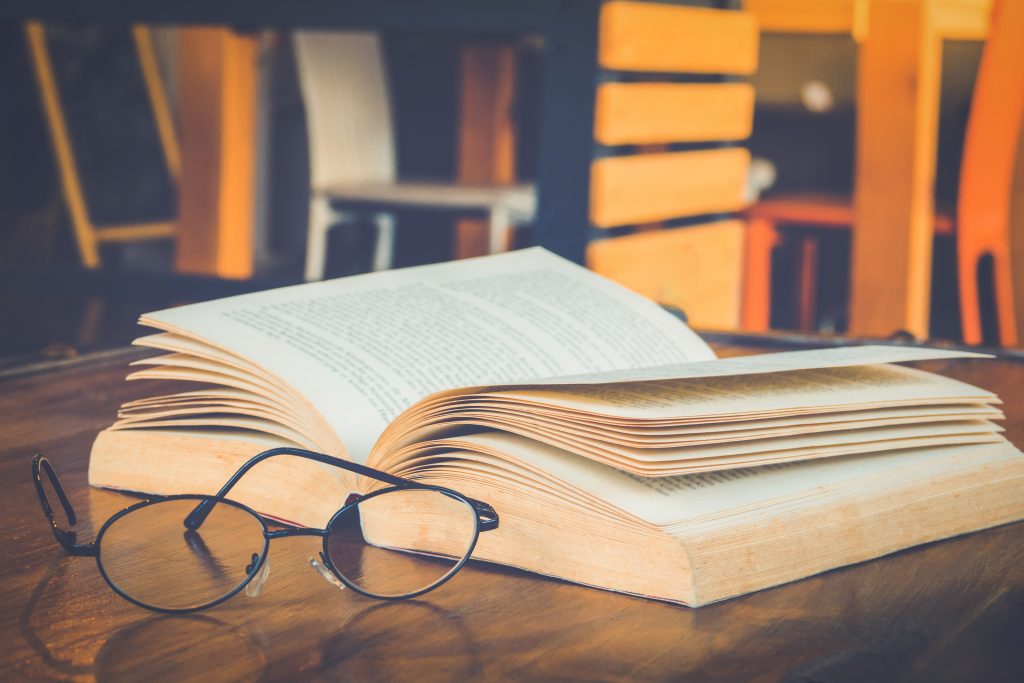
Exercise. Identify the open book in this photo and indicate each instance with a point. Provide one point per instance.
(617, 450)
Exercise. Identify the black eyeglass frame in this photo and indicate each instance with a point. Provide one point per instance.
(485, 518)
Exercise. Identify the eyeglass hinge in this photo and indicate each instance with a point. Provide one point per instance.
(68, 541)
(84, 549)
(486, 514)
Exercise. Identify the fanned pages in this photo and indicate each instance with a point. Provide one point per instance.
(617, 450)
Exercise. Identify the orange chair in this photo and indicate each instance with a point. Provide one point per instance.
(640, 183)
(983, 216)
(88, 235)
(986, 176)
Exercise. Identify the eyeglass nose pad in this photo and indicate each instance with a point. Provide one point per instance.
(255, 587)
(326, 573)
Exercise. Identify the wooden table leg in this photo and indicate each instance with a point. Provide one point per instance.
(897, 122)
(487, 152)
(217, 118)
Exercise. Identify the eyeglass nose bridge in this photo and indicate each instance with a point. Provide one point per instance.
(255, 586)
(322, 569)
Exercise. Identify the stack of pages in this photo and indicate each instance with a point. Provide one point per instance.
(617, 450)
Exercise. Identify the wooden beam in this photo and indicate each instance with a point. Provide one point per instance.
(963, 19)
(805, 16)
(217, 112)
(897, 124)
(954, 19)
(486, 153)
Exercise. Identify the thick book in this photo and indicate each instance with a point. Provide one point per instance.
(617, 450)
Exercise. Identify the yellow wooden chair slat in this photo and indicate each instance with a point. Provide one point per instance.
(662, 113)
(654, 37)
(642, 188)
(694, 269)
(136, 232)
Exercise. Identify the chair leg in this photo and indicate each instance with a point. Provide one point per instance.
(807, 287)
(761, 239)
(71, 186)
(970, 298)
(970, 307)
(320, 216)
(384, 251)
(1006, 313)
(500, 226)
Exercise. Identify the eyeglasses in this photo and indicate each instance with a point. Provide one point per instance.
(189, 552)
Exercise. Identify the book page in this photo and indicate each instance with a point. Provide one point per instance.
(362, 349)
(669, 501)
(706, 396)
(646, 433)
(785, 361)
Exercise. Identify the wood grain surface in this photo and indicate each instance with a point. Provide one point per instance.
(950, 611)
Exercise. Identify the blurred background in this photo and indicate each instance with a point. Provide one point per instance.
(766, 166)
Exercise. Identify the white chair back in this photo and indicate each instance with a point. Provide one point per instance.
(348, 111)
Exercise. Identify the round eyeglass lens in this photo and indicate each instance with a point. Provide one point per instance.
(149, 555)
(401, 542)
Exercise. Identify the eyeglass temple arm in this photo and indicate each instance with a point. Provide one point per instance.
(66, 538)
(198, 515)
(488, 517)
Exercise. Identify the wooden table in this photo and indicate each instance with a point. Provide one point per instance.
(948, 611)
(899, 68)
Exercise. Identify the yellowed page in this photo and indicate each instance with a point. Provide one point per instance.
(662, 462)
(782, 444)
(252, 424)
(642, 435)
(364, 348)
(166, 341)
(184, 360)
(671, 501)
(786, 361)
(205, 394)
(770, 393)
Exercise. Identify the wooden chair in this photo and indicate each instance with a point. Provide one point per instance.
(982, 224)
(663, 174)
(88, 235)
(352, 152)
